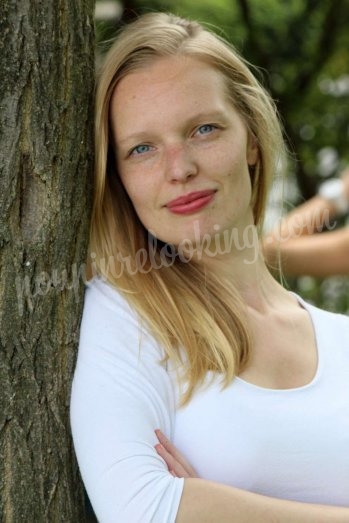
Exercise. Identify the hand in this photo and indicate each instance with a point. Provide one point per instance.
(176, 463)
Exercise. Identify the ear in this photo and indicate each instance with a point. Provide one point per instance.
(252, 151)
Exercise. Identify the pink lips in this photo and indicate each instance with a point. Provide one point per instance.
(191, 202)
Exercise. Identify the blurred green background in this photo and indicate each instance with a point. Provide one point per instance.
(301, 49)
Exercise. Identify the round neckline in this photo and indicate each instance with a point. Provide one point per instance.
(269, 390)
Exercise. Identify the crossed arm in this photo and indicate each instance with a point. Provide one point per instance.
(120, 393)
(208, 502)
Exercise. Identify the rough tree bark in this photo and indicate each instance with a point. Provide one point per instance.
(46, 72)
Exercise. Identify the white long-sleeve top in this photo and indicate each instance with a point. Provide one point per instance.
(292, 444)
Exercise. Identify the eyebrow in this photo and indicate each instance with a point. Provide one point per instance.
(134, 138)
(202, 116)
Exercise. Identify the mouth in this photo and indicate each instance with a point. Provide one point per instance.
(192, 202)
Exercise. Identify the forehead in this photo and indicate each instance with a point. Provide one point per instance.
(169, 83)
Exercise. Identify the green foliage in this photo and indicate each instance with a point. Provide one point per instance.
(331, 293)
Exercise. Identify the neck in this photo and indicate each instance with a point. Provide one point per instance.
(242, 264)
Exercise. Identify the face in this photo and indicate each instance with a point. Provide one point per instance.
(182, 150)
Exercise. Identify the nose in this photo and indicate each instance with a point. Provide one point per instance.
(180, 163)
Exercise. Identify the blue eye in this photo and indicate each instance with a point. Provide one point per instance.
(140, 149)
(206, 129)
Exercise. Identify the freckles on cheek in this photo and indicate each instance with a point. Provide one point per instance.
(142, 203)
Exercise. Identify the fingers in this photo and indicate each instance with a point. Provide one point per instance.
(174, 467)
(168, 445)
(173, 458)
(171, 449)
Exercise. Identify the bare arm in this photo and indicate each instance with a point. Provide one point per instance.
(308, 218)
(311, 216)
(208, 502)
(320, 255)
(301, 251)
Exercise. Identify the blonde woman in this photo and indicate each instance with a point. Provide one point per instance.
(204, 391)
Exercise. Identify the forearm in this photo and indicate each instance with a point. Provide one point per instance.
(309, 217)
(316, 213)
(287, 236)
(207, 502)
(320, 255)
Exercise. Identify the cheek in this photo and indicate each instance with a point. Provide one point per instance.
(141, 196)
(233, 156)
(239, 181)
(133, 187)
(236, 168)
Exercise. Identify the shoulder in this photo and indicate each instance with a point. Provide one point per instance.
(105, 305)
(327, 321)
(100, 294)
(109, 321)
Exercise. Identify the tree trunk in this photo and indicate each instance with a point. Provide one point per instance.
(47, 76)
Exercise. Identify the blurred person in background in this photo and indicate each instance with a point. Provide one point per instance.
(303, 241)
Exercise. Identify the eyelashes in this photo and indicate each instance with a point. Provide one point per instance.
(201, 131)
(140, 149)
(206, 129)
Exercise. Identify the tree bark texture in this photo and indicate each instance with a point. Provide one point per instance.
(46, 91)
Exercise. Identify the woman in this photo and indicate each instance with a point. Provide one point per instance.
(184, 330)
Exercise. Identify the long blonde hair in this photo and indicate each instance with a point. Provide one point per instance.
(182, 306)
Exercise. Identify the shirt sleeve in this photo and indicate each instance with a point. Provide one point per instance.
(120, 394)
